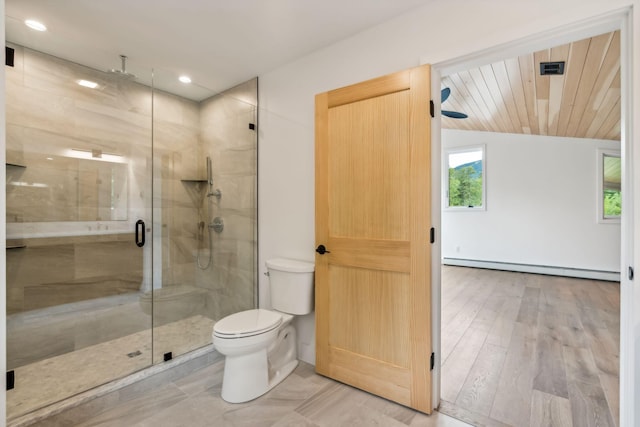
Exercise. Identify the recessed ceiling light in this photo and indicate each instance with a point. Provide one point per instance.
(87, 83)
(35, 25)
(184, 79)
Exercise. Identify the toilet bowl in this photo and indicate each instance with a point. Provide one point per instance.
(252, 366)
(260, 345)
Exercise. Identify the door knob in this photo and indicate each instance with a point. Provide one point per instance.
(322, 250)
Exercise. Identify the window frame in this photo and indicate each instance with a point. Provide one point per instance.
(601, 154)
(445, 180)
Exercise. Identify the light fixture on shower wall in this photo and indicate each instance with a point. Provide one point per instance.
(28, 184)
(35, 25)
(95, 154)
(87, 83)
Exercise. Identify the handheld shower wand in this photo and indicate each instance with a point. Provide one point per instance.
(209, 172)
(201, 225)
(216, 193)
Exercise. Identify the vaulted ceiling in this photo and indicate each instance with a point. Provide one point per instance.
(511, 96)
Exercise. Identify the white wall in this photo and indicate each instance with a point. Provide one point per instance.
(441, 30)
(541, 204)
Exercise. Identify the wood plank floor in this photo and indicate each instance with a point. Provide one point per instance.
(523, 349)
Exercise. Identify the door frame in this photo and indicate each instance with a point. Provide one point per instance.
(623, 20)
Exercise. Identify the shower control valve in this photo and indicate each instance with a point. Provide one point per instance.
(217, 194)
(217, 224)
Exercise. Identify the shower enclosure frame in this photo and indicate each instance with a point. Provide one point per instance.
(154, 223)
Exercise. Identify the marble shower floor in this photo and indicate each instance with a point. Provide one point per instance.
(303, 399)
(48, 381)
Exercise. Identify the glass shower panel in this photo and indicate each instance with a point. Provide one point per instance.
(78, 179)
(205, 205)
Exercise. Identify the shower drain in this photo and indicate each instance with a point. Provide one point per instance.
(134, 353)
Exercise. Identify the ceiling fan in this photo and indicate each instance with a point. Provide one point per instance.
(444, 95)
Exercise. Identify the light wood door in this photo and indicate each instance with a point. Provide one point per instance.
(373, 322)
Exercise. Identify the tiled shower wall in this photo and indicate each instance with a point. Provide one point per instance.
(229, 136)
(48, 112)
(176, 133)
(220, 124)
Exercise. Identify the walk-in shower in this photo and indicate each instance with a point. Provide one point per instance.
(90, 171)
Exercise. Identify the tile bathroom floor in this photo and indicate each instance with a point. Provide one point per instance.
(304, 399)
(51, 380)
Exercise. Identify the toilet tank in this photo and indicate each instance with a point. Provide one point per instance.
(291, 283)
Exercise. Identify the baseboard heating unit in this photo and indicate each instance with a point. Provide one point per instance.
(612, 276)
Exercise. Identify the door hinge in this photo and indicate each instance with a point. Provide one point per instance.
(9, 55)
(11, 380)
(630, 273)
(432, 108)
(433, 360)
(432, 235)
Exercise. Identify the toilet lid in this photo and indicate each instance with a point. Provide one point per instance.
(245, 323)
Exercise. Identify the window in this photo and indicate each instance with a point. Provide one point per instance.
(609, 186)
(465, 178)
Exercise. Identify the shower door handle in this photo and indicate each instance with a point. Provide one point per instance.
(140, 236)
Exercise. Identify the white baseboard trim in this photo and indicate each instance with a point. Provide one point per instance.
(612, 276)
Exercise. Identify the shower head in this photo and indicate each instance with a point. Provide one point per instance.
(122, 71)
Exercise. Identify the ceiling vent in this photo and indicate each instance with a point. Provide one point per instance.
(552, 68)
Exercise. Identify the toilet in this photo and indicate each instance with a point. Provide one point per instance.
(260, 345)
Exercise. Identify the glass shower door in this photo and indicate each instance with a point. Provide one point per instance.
(205, 212)
(79, 280)
(124, 246)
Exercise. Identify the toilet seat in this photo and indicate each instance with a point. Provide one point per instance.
(247, 323)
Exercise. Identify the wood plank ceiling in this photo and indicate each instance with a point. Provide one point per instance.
(511, 96)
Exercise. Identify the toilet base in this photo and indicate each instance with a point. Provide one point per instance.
(249, 376)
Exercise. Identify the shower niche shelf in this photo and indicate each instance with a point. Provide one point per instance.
(197, 183)
(9, 246)
(196, 188)
(15, 244)
(16, 165)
